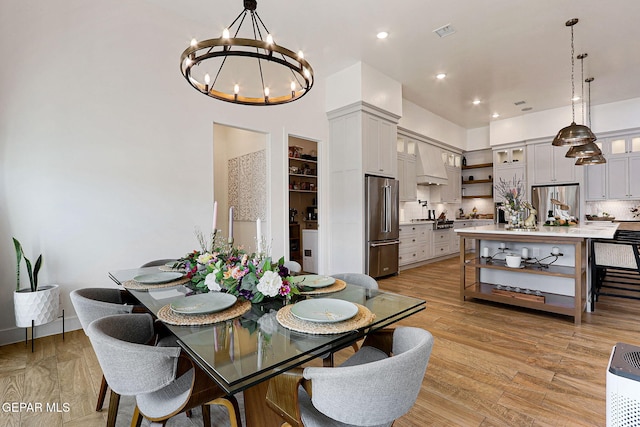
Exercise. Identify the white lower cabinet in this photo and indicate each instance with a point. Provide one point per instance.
(415, 243)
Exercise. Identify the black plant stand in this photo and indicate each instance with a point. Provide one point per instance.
(33, 332)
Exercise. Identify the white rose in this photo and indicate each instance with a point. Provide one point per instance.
(211, 283)
(270, 283)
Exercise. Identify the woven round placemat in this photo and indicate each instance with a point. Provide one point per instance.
(363, 318)
(171, 317)
(132, 284)
(338, 285)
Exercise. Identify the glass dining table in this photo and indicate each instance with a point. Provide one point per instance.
(241, 353)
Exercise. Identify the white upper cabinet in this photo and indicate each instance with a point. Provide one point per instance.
(506, 157)
(624, 146)
(379, 146)
(550, 166)
(406, 148)
(619, 178)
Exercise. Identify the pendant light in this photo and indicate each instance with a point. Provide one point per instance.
(590, 149)
(596, 159)
(573, 134)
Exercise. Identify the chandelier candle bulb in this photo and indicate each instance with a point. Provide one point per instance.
(503, 245)
(525, 253)
(555, 250)
(485, 252)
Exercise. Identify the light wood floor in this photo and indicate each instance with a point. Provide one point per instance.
(491, 365)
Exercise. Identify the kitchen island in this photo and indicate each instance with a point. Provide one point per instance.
(552, 275)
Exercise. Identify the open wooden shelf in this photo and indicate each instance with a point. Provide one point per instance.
(554, 303)
(478, 166)
(478, 181)
(484, 196)
(531, 268)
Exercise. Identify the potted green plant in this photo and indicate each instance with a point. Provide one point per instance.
(35, 305)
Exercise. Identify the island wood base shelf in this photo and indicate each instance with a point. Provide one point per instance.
(569, 305)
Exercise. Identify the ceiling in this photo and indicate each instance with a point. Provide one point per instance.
(503, 51)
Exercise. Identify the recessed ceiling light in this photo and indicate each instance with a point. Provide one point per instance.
(476, 102)
(382, 35)
(575, 98)
(441, 76)
(495, 115)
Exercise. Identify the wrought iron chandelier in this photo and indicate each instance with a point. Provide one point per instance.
(250, 71)
(573, 134)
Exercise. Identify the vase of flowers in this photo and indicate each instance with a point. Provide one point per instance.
(512, 192)
(252, 277)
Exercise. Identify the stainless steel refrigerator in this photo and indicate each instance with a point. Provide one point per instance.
(553, 199)
(382, 226)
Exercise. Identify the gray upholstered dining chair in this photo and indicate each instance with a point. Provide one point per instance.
(359, 279)
(91, 304)
(157, 262)
(293, 266)
(370, 389)
(164, 382)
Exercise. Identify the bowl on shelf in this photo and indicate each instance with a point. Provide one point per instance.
(513, 260)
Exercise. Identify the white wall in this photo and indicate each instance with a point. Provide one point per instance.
(361, 82)
(105, 150)
(604, 118)
(426, 123)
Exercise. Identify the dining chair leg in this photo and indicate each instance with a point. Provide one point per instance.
(101, 394)
(136, 420)
(114, 401)
(206, 416)
(231, 404)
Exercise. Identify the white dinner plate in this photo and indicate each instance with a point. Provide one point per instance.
(157, 278)
(324, 310)
(313, 280)
(210, 302)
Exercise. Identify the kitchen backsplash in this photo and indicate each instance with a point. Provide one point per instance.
(621, 209)
(413, 210)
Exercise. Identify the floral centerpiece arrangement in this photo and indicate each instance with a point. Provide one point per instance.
(225, 268)
(512, 191)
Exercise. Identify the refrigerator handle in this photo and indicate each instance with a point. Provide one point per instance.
(387, 208)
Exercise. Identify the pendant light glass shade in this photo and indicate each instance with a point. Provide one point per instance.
(587, 150)
(573, 134)
(588, 161)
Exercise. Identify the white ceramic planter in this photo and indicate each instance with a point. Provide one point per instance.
(42, 306)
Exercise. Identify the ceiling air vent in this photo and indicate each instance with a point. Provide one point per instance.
(445, 31)
(520, 102)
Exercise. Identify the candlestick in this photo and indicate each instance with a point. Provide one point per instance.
(231, 224)
(259, 234)
(215, 217)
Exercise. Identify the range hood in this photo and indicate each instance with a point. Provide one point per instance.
(430, 168)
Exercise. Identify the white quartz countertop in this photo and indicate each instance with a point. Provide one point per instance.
(586, 231)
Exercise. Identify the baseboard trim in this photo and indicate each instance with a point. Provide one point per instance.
(14, 335)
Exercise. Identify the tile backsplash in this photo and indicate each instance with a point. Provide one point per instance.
(621, 209)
